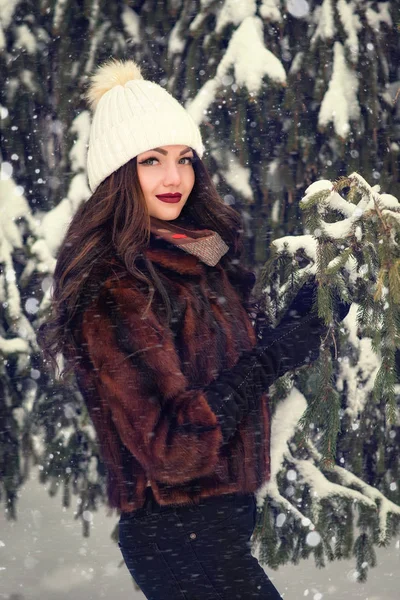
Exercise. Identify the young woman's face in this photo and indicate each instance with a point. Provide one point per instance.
(166, 177)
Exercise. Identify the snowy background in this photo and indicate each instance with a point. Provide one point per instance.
(286, 92)
(43, 556)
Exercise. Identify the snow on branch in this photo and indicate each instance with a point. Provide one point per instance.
(324, 18)
(352, 25)
(59, 10)
(249, 60)
(340, 103)
(357, 377)
(234, 12)
(352, 488)
(13, 346)
(236, 176)
(22, 231)
(270, 10)
(359, 257)
(283, 428)
(14, 211)
(368, 494)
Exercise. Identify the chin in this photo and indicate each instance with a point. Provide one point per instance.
(168, 215)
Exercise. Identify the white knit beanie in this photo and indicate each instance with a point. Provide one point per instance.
(131, 116)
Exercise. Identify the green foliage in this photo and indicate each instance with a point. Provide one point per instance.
(337, 255)
(323, 408)
(365, 555)
(355, 258)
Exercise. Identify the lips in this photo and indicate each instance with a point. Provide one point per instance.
(170, 198)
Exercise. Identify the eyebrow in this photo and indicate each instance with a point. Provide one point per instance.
(165, 152)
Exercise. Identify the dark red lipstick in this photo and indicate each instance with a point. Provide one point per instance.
(171, 198)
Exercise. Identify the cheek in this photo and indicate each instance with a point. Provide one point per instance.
(146, 181)
(190, 180)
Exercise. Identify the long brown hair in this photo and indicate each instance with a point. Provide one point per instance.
(114, 226)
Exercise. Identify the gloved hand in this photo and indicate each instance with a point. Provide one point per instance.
(340, 308)
(237, 391)
(306, 299)
(294, 342)
(303, 302)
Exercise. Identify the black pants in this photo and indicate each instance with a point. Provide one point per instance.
(197, 552)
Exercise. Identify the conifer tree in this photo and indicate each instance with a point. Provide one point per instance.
(350, 390)
(285, 93)
(291, 92)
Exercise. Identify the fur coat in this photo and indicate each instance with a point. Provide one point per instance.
(143, 382)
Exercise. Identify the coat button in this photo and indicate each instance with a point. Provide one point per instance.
(192, 536)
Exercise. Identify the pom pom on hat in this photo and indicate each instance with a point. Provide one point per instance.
(132, 115)
(112, 73)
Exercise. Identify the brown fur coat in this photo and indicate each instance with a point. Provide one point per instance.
(142, 383)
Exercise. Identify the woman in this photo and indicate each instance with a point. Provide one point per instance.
(151, 310)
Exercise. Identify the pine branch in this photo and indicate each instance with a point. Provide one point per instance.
(341, 253)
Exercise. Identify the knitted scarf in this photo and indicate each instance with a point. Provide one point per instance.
(206, 244)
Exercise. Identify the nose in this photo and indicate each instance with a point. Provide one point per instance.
(171, 175)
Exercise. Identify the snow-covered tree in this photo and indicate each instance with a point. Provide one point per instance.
(286, 92)
(339, 448)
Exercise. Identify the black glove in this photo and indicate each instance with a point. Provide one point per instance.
(340, 308)
(305, 300)
(294, 342)
(237, 391)
(297, 340)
